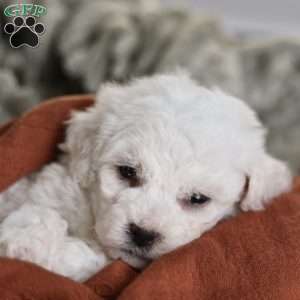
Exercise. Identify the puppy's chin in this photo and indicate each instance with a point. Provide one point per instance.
(129, 257)
(134, 261)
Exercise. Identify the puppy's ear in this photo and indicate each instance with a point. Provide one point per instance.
(80, 143)
(268, 178)
(83, 132)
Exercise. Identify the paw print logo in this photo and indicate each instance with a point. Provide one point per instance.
(24, 32)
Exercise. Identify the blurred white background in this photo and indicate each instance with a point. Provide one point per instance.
(255, 16)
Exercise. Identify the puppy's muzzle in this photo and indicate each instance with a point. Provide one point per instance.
(141, 237)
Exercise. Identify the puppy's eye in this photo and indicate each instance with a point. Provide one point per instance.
(198, 199)
(129, 173)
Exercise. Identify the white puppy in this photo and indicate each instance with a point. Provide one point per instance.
(150, 167)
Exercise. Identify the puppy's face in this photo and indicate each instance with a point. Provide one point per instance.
(164, 160)
(156, 191)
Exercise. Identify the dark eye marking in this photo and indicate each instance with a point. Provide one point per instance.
(199, 199)
(129, 174)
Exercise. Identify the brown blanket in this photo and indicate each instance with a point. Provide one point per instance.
(253, 256)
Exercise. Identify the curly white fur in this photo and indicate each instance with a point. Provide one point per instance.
(72, 217)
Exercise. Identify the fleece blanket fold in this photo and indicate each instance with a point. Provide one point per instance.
(255, 255)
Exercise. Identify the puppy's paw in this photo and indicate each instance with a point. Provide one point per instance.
(24, 247)
(76, 260)
(32, 234)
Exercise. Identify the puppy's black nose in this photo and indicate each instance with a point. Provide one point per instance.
(142, 237)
